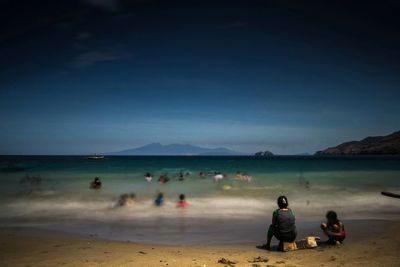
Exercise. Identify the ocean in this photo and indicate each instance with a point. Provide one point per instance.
(52, 192)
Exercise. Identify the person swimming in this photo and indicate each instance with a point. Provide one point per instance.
(181, 177)
(96, 183)
(148, 177)
(243, 177)
(182, 203)
(247, 178)
(238, 175)
(126, 200)
(283, 225)
(163, 179)
(333, 228)
(218, 177)
(159, 200)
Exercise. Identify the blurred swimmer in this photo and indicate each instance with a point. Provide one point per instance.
(182, 203)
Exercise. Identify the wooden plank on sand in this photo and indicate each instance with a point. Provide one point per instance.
(388, 194)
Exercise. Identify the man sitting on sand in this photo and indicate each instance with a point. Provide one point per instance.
(333, 228)
(283, 225)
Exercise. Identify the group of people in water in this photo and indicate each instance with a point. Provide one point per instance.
(283, 226)
(130, 199)
(164, 178)
(182, 203)
(218, 176)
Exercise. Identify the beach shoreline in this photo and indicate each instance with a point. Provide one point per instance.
(370, 243)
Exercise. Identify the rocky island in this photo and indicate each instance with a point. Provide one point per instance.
(264, 154)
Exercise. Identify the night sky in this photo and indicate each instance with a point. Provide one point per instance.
(93, 76)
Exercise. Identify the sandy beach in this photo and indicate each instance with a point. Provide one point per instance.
(199, 133)
(34, 247)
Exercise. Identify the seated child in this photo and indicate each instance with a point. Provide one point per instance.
(333, 228)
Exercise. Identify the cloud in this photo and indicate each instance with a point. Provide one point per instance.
(233, 25)
(110, 5)
(83, 35)
(90, 58)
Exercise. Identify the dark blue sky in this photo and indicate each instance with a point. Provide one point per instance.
(105, 75)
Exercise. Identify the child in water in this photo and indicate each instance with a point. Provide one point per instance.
(148, 177)
(126, 200)
(96, 183)
(333, 228)
(163, 179)
(159, 200)
(182, 201)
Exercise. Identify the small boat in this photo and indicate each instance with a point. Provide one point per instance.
(389, 194)
(95, 157)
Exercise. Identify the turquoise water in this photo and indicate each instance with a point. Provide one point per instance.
(63, 200)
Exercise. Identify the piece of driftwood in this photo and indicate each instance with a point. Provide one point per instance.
(388, 194)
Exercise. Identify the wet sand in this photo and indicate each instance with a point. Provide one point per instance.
(34, 247)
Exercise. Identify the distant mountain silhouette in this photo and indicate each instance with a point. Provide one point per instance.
(157, 149)
(376, 145)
